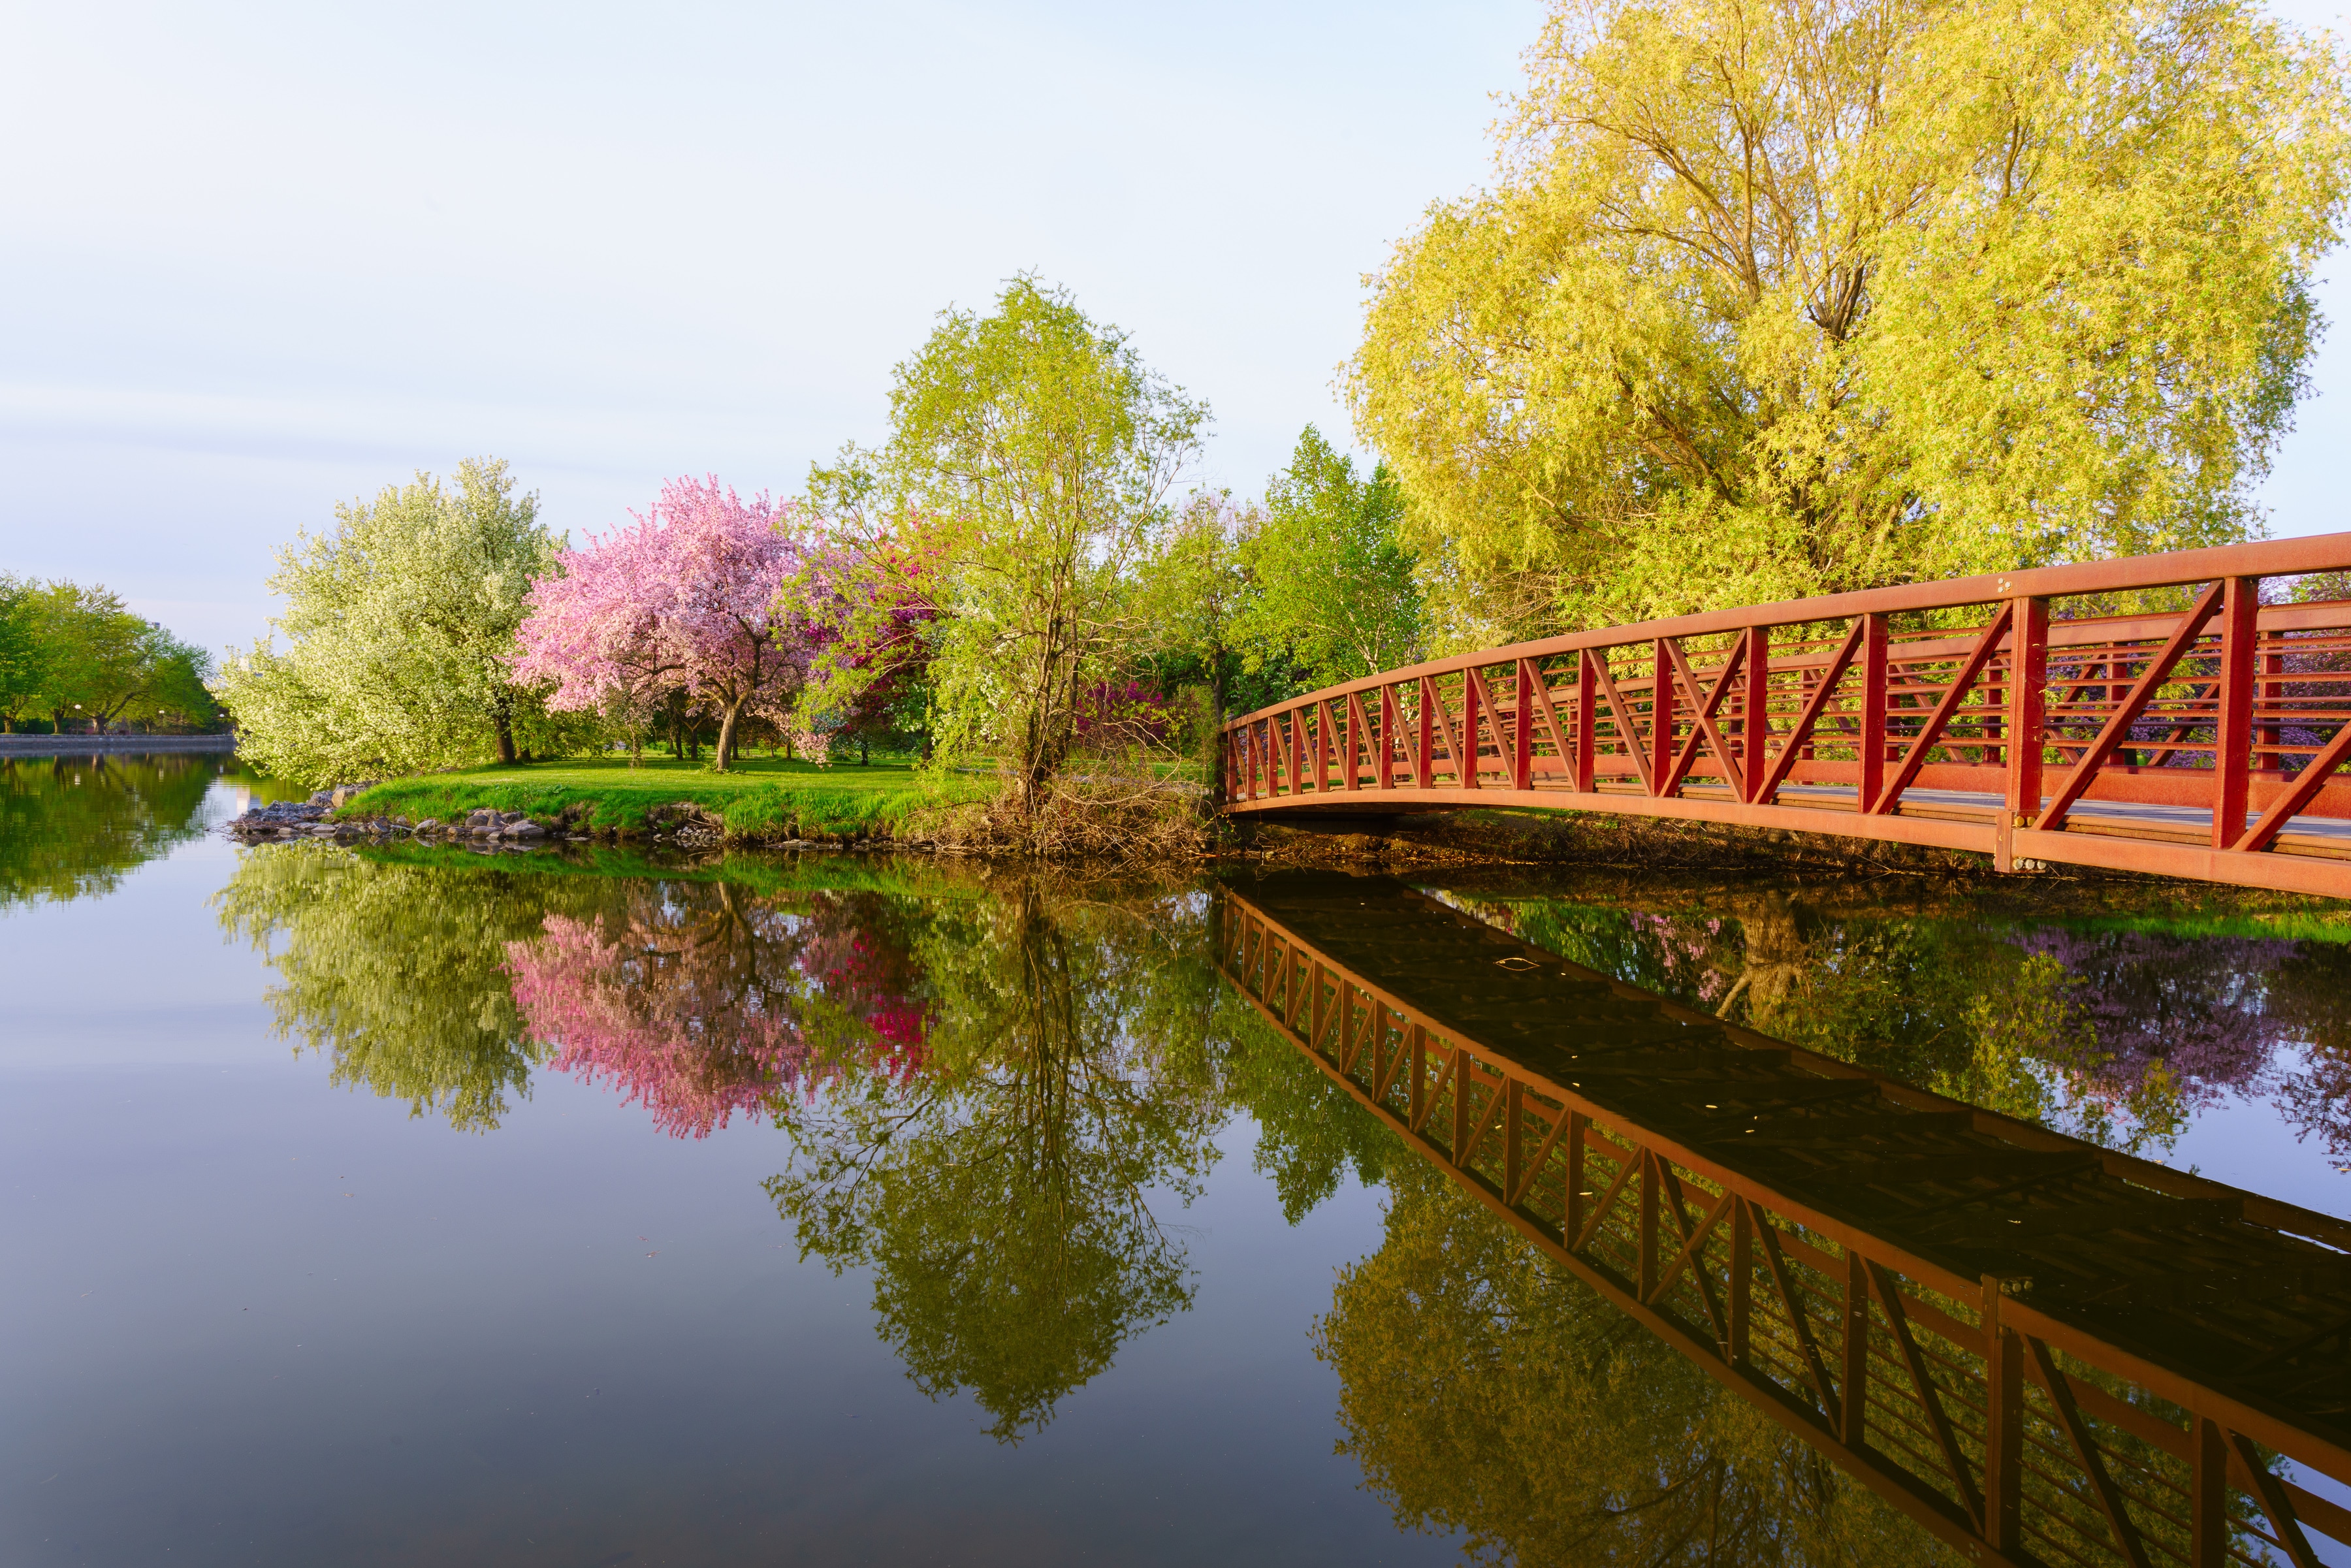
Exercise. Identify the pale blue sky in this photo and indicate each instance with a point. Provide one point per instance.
(261, 258)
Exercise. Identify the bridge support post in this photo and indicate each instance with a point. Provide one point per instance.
(1661, 724)
(1645, 1266)
(1523, 732)
(1425, 733)
(1587, 692)
(2028, 714)
(1754, 725)
(1853, 1399)
(1871, 749)
(1387, 738)
(1742, 1269)
(2208, 1500)
(2232, 734)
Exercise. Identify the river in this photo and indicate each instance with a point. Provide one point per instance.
(399, 1206)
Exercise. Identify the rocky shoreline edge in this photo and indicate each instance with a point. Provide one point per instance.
(1453, 838)
(685, 825)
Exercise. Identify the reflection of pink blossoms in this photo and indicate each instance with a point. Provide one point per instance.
(691, 1056)
(694, 1003)
(1686, 946)
(874, 981)
(2193, 1003)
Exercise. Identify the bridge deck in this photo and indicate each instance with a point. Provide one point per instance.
(2042, 1350)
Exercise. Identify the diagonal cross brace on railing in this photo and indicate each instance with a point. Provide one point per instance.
(2014, 715)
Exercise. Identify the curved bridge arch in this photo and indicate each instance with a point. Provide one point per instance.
(2002, 713)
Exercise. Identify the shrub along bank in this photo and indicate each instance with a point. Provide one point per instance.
(756, 801)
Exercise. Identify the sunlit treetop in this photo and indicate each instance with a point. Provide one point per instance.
(1771, 301)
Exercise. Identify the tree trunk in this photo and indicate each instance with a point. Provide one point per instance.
(863, 759)
(506, 736)
(722, 755)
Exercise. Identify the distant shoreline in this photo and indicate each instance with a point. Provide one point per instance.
(96, 745)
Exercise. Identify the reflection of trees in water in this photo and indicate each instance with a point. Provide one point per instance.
(1003, 1196)
(1311, 1135)
(2194, 1003)
(2310, 993)
(697, 998)
(72, 827)
(397, 973)
(1484, 1390)
(444, 986)
(2112, 1034)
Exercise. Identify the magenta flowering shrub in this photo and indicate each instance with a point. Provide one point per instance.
(1123, 712)
(865, 619)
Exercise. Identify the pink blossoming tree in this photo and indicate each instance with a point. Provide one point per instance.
(685, 599)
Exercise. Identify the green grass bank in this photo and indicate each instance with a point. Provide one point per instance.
(761, 799)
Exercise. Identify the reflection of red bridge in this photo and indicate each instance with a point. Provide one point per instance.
(2202, 741)
(2041, 1351)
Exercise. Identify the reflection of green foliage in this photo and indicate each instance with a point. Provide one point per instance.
(1943, 998)
(1483, 1390)
(1311, 1132)
(71, 827)
(398, 973)
(1001, 1197)
(1890, 994)
(2036, 1057)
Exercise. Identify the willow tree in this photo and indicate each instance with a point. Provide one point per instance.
(1039, 449)
(400, 623)
(1769, 300)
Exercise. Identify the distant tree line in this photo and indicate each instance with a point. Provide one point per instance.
(74, 660)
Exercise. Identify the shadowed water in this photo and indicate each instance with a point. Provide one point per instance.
(386, 1206)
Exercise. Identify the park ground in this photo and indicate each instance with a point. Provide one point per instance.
(759, 799)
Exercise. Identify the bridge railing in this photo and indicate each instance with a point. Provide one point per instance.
(2008, 715)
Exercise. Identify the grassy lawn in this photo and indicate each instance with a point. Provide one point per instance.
(760, 797)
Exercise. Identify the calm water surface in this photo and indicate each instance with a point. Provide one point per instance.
(430, 1208)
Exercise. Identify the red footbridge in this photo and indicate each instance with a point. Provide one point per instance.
(2017, 715)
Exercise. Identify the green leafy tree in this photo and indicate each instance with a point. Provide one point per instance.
(178, 688)
(1042, 449)
(21, 663)
(1334, 586)
(1776, 300)
(399, 624)
(1195, 589)
(98, 664)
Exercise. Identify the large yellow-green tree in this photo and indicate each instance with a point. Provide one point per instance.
(1809, 295)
